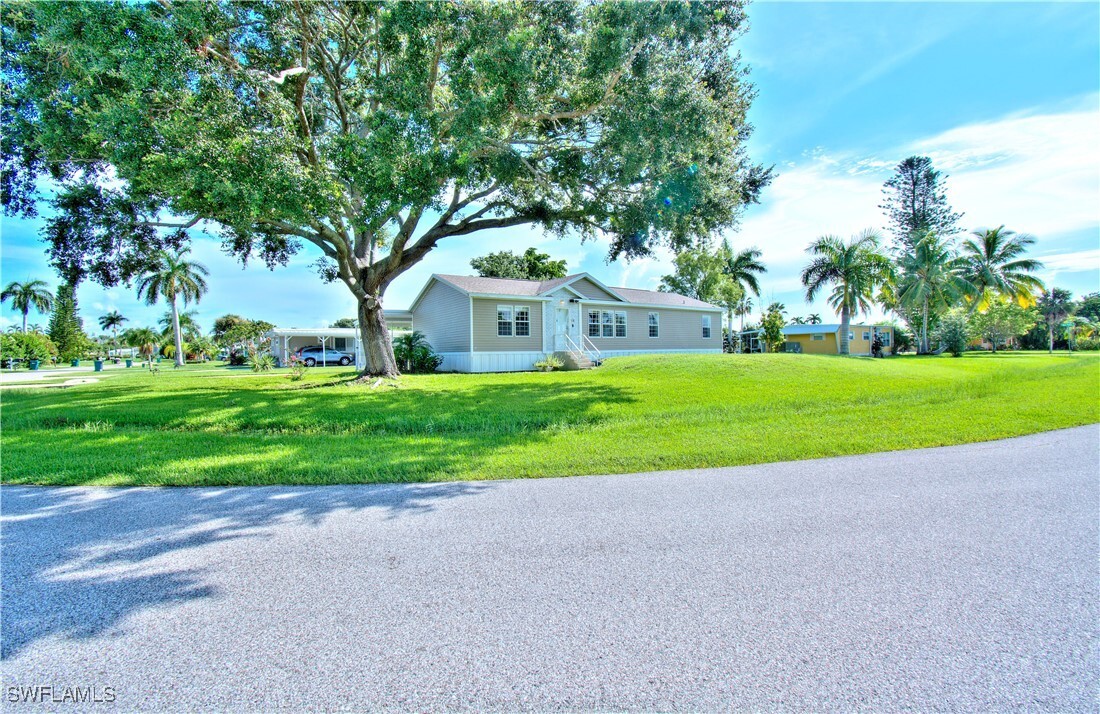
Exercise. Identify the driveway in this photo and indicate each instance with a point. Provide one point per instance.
(961, 578)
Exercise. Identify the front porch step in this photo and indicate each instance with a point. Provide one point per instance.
(574, 360)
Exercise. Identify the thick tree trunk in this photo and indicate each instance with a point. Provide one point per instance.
(176, 333)
(377, 348)
(845, 325)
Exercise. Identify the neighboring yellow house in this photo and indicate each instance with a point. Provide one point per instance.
(825, 339)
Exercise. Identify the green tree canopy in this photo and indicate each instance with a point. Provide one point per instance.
(66, 329)
(532, 265)
(372, 131)
(1055, 305)
(916, 202)
(1002, 320)
(1089, 307)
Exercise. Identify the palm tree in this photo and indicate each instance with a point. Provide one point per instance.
(112, 321)
(854, 268)
(189, 326)
(744, 307)
(1055, 306)
(24, 296)
(798, 321)
(145, 339)
(813, 319)
(173, 277)
(744, 267)
(931, 279)
(994, 266)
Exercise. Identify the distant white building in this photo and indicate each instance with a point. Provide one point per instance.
(285, 341)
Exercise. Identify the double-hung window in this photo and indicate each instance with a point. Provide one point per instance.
(504, 320)
(706, 326)
(817, 338)
(607, 319)
(523, 321)
(513, 320)
(851, 336)
(654, 324)
(606, 323)
(885, 337)
(866, 336)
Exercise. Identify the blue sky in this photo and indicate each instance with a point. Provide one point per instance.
(1004, 97)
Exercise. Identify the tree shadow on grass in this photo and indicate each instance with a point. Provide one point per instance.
(500, 403)
(76, 563)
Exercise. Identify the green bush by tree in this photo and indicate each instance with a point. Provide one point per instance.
(414, 354)
(772, 326)
(954, 331)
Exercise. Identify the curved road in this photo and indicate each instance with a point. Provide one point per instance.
(958, 578)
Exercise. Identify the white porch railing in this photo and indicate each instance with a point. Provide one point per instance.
(590, 351)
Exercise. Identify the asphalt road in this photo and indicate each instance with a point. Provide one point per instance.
(963, 578)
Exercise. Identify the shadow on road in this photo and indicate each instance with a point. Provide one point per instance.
(76, 563)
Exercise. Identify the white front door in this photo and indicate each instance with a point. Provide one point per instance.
(561, 329)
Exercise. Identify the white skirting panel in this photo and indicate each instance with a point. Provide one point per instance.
(525, 361)
(454, 362)
(607, 354)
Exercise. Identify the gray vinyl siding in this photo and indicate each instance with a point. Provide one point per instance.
(590, 290)
(678, 329)
(485, 326)
(443, 315)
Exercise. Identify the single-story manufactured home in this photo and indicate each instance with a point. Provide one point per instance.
(825, 339)
(503, 325)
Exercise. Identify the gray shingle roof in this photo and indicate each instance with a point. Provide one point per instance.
(533, 288)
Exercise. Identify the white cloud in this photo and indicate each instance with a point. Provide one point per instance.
(1037, 173)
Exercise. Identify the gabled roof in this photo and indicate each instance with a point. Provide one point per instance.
(474, 285)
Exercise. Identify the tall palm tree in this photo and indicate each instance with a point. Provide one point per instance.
(24, 296)
(1054, 305)
(995, 266)
(112, 321)
(931, 278)
(853, 268)
(744, 307)
(173, 277)
(744, 267)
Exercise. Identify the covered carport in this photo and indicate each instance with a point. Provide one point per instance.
(285, 341)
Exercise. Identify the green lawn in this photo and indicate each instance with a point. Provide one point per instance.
(207, 426)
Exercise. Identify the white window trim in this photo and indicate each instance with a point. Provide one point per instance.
(589, 324)
(608, 318)
(516, 320)
(851, 336)
(656, 323)
(707, 327)
(817, 338)
(866, 336)
(512, 321)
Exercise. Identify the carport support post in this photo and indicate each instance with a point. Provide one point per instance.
(324, 355)
(286, 350)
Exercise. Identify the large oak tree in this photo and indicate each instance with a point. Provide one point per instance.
(371, 130)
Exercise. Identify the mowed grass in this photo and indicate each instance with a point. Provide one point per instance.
(214, 426)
